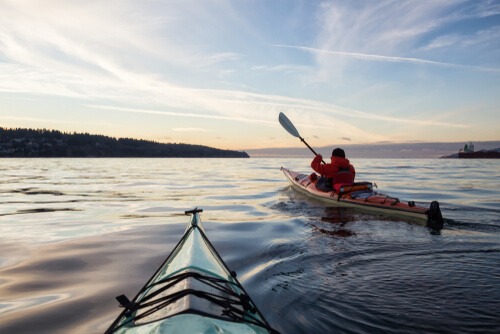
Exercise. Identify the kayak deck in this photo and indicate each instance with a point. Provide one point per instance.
(367, 199)
(193, 291)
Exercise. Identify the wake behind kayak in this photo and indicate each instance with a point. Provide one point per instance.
(192, 292)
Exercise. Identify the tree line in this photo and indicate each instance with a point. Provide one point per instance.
(22, 142)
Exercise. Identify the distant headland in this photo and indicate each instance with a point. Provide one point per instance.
(468, 152)
(17, 143)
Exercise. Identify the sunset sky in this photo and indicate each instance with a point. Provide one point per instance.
(218, 73)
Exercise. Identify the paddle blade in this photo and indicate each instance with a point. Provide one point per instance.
(285, 122)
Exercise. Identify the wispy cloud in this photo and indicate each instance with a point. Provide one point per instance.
(286, 68)
(486, 37)
(385, 25)
(33, 120)
(372, 57)
(398, 32)
(180, 114)
(190, 130)
(264, 109)
(217, 58)
(442, 42)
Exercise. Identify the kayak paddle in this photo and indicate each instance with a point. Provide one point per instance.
(288, 125)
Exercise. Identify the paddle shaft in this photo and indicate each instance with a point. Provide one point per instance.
(313, 151)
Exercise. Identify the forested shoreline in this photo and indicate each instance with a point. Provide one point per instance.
(21, 142)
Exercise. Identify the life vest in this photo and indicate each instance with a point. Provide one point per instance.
(343, 176)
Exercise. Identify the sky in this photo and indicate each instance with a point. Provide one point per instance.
(218, 73)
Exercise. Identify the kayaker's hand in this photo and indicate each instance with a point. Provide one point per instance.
(318, 157)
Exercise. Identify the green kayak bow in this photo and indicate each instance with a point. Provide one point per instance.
(192, 292)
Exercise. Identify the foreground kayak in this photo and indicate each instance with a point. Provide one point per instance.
(192, 292)
(362, 196)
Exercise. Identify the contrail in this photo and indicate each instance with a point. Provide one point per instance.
(351, 113)
(169, 113)
(391, 59)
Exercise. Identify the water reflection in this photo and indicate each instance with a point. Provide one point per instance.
(26, 303)
(336, 219)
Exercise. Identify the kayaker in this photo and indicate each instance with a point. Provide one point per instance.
(339, 170)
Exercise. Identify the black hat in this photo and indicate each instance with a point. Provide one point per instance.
(338, 152)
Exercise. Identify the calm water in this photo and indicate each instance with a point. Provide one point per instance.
(74, 233)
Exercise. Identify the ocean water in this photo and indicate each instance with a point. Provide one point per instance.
(75, 233)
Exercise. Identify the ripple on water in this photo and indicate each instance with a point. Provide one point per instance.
(309, 268)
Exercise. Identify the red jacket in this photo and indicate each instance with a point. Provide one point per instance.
(332, 169)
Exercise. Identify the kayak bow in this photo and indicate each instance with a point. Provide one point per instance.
(192, 292)
(362, 196)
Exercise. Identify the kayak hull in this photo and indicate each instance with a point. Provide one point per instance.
(192, 292)
(368, 201)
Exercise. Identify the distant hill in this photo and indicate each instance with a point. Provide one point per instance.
(375, 150)
(52, 143)
(481, 154)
